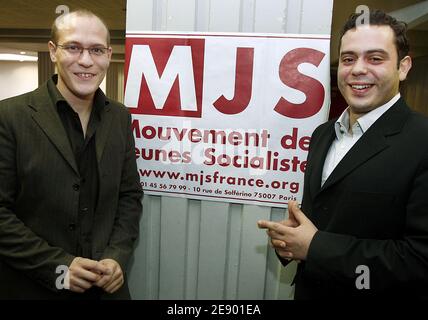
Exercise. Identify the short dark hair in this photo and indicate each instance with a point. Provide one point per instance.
(380, 18)
(79, 13)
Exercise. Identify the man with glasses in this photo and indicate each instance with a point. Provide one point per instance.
(70, 197)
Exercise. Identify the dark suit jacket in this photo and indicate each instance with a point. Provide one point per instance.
(39, 195)
(372, 211)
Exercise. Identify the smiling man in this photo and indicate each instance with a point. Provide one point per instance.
(70, 197)
(362, 231)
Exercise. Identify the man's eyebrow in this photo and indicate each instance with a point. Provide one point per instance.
(71, 42)
(347, 52)
(77, 43)
(382, 51)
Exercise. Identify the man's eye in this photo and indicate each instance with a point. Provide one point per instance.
(97, 50)
(347, 60)
(376, 59)
(73, 48)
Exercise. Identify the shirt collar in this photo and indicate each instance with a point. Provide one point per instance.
(341, 125)
(100, 100)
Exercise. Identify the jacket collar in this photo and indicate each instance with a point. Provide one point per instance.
(46, 116)
(373, 141)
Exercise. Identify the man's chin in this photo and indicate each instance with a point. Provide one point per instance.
(85, 93)
(361, 108)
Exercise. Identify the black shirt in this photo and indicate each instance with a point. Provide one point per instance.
(85, 155)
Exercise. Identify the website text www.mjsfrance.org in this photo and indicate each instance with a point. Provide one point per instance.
(239, 150)
(204, 180)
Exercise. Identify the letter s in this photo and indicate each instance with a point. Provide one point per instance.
(311, 87)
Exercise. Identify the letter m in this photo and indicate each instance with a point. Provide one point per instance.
(164, 76)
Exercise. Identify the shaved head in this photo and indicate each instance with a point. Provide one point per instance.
(63, 21)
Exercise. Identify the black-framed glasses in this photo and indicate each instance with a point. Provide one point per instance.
(75, 49)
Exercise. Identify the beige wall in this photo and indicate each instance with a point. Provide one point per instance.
(20, 77)
(415, 89)
(17, 77)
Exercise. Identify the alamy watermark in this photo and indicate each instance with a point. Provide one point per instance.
(363, 280)
(63, 280)
(364, 18)
(62, 9)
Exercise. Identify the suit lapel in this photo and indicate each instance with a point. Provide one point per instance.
(48, 119)
(373, 141)
(366, 147)
(320, 152)
(103, 131)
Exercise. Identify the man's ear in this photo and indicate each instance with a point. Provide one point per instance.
(110, 52)
(404, 67)
(52, 51)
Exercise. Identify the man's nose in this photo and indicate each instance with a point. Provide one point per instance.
(359, 67)
(85, 58)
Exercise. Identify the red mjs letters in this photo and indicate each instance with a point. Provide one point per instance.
(165, 76)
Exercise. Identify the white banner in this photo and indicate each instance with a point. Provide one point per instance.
(226, 117)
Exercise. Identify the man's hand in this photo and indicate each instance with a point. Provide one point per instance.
(291, 237)
(278, 244)
(82, 274)
(111, 280)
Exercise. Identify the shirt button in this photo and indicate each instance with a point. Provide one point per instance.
(72, 227)
(76, 187)
(84, 209)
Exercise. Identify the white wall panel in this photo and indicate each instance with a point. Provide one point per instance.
(270, 16)
(180, 15)
(247, 15)
(224, 15)
(212, 250)
(174, 228)
(233, 256)
(293, 16)
(202, 15)
(141, 18)
(314, 18)
(191, 249)
(252, 266)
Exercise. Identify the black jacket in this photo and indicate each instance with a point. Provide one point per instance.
(39, 192)
(371, 211)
